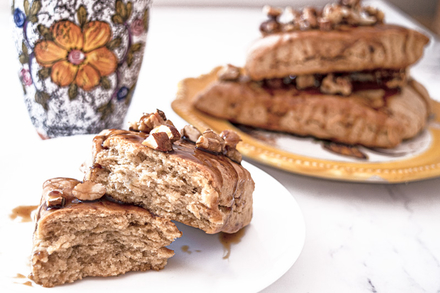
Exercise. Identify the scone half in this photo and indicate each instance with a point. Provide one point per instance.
(373, 118)
(200, 189)
(75, 238)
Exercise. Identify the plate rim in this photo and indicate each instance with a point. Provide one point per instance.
(425, 165)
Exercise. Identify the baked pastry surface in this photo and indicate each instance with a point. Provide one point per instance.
(194, 187)
(360, 118)
(350, 49)
(94, 238)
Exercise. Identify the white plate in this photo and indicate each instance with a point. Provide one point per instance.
(269, 247)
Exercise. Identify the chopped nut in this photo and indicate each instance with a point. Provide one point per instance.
(170, 130)
(270, 26)
(395, 82)
(335, 13)
(159, 141)
(305, 81)
(233, 154)
(89, 191)
(190, 133)
(292, 20)
(230, 137)
(133, 126)
(272, 12)
(339, 85)
(149, 121)
(292, 15)
(308, 18)
(161, 114)
(210, 141)
(229, 73)
(372, 11)
(350, 3)
(55, 200)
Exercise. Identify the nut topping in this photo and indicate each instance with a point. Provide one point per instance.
(338, 85)
(272, 12)
(230, 137)
(308, 19)
(332, 16)
(55, 200)
(159, 141)
(170, 130)
(190, 133)
(210, 141)
(229, 73)
(89, 191)
(149, 121)
(233, 154)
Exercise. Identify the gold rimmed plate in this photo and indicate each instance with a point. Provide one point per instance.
(414, 159)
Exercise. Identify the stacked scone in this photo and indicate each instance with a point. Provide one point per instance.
(119, 218)
(338, 73)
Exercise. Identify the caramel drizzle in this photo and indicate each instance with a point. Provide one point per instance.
(183, 149)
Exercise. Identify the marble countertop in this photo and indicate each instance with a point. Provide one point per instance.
(359, 237)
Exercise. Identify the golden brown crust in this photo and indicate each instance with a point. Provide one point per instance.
(350, 49)
(357, 119)
(195, 187)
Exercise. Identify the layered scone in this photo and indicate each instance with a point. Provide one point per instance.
(338, 73)
(191, 177)
(82, 232)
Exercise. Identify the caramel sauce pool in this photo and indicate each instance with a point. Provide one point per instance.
(20, 276)
(24, 212)
(227, 239)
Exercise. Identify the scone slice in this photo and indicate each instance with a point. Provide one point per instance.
(198, 188)
(77, 238)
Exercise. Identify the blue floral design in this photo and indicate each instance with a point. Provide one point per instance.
(19, 17)
(122, 93)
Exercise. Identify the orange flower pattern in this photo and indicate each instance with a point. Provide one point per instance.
(77, 56)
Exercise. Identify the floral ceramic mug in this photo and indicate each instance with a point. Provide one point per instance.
(79, 61)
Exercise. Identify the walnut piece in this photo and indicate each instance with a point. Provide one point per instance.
(210, 141)
(190, 133)
(351, 3)
(89, 190)
(270, 26)
(149, 121)
(272, 12)
(159, 141)
(229, 73)
(233, 154)
(339, 85)
(309, 18)
(170, 130)
(55, 200)
(230, 137)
